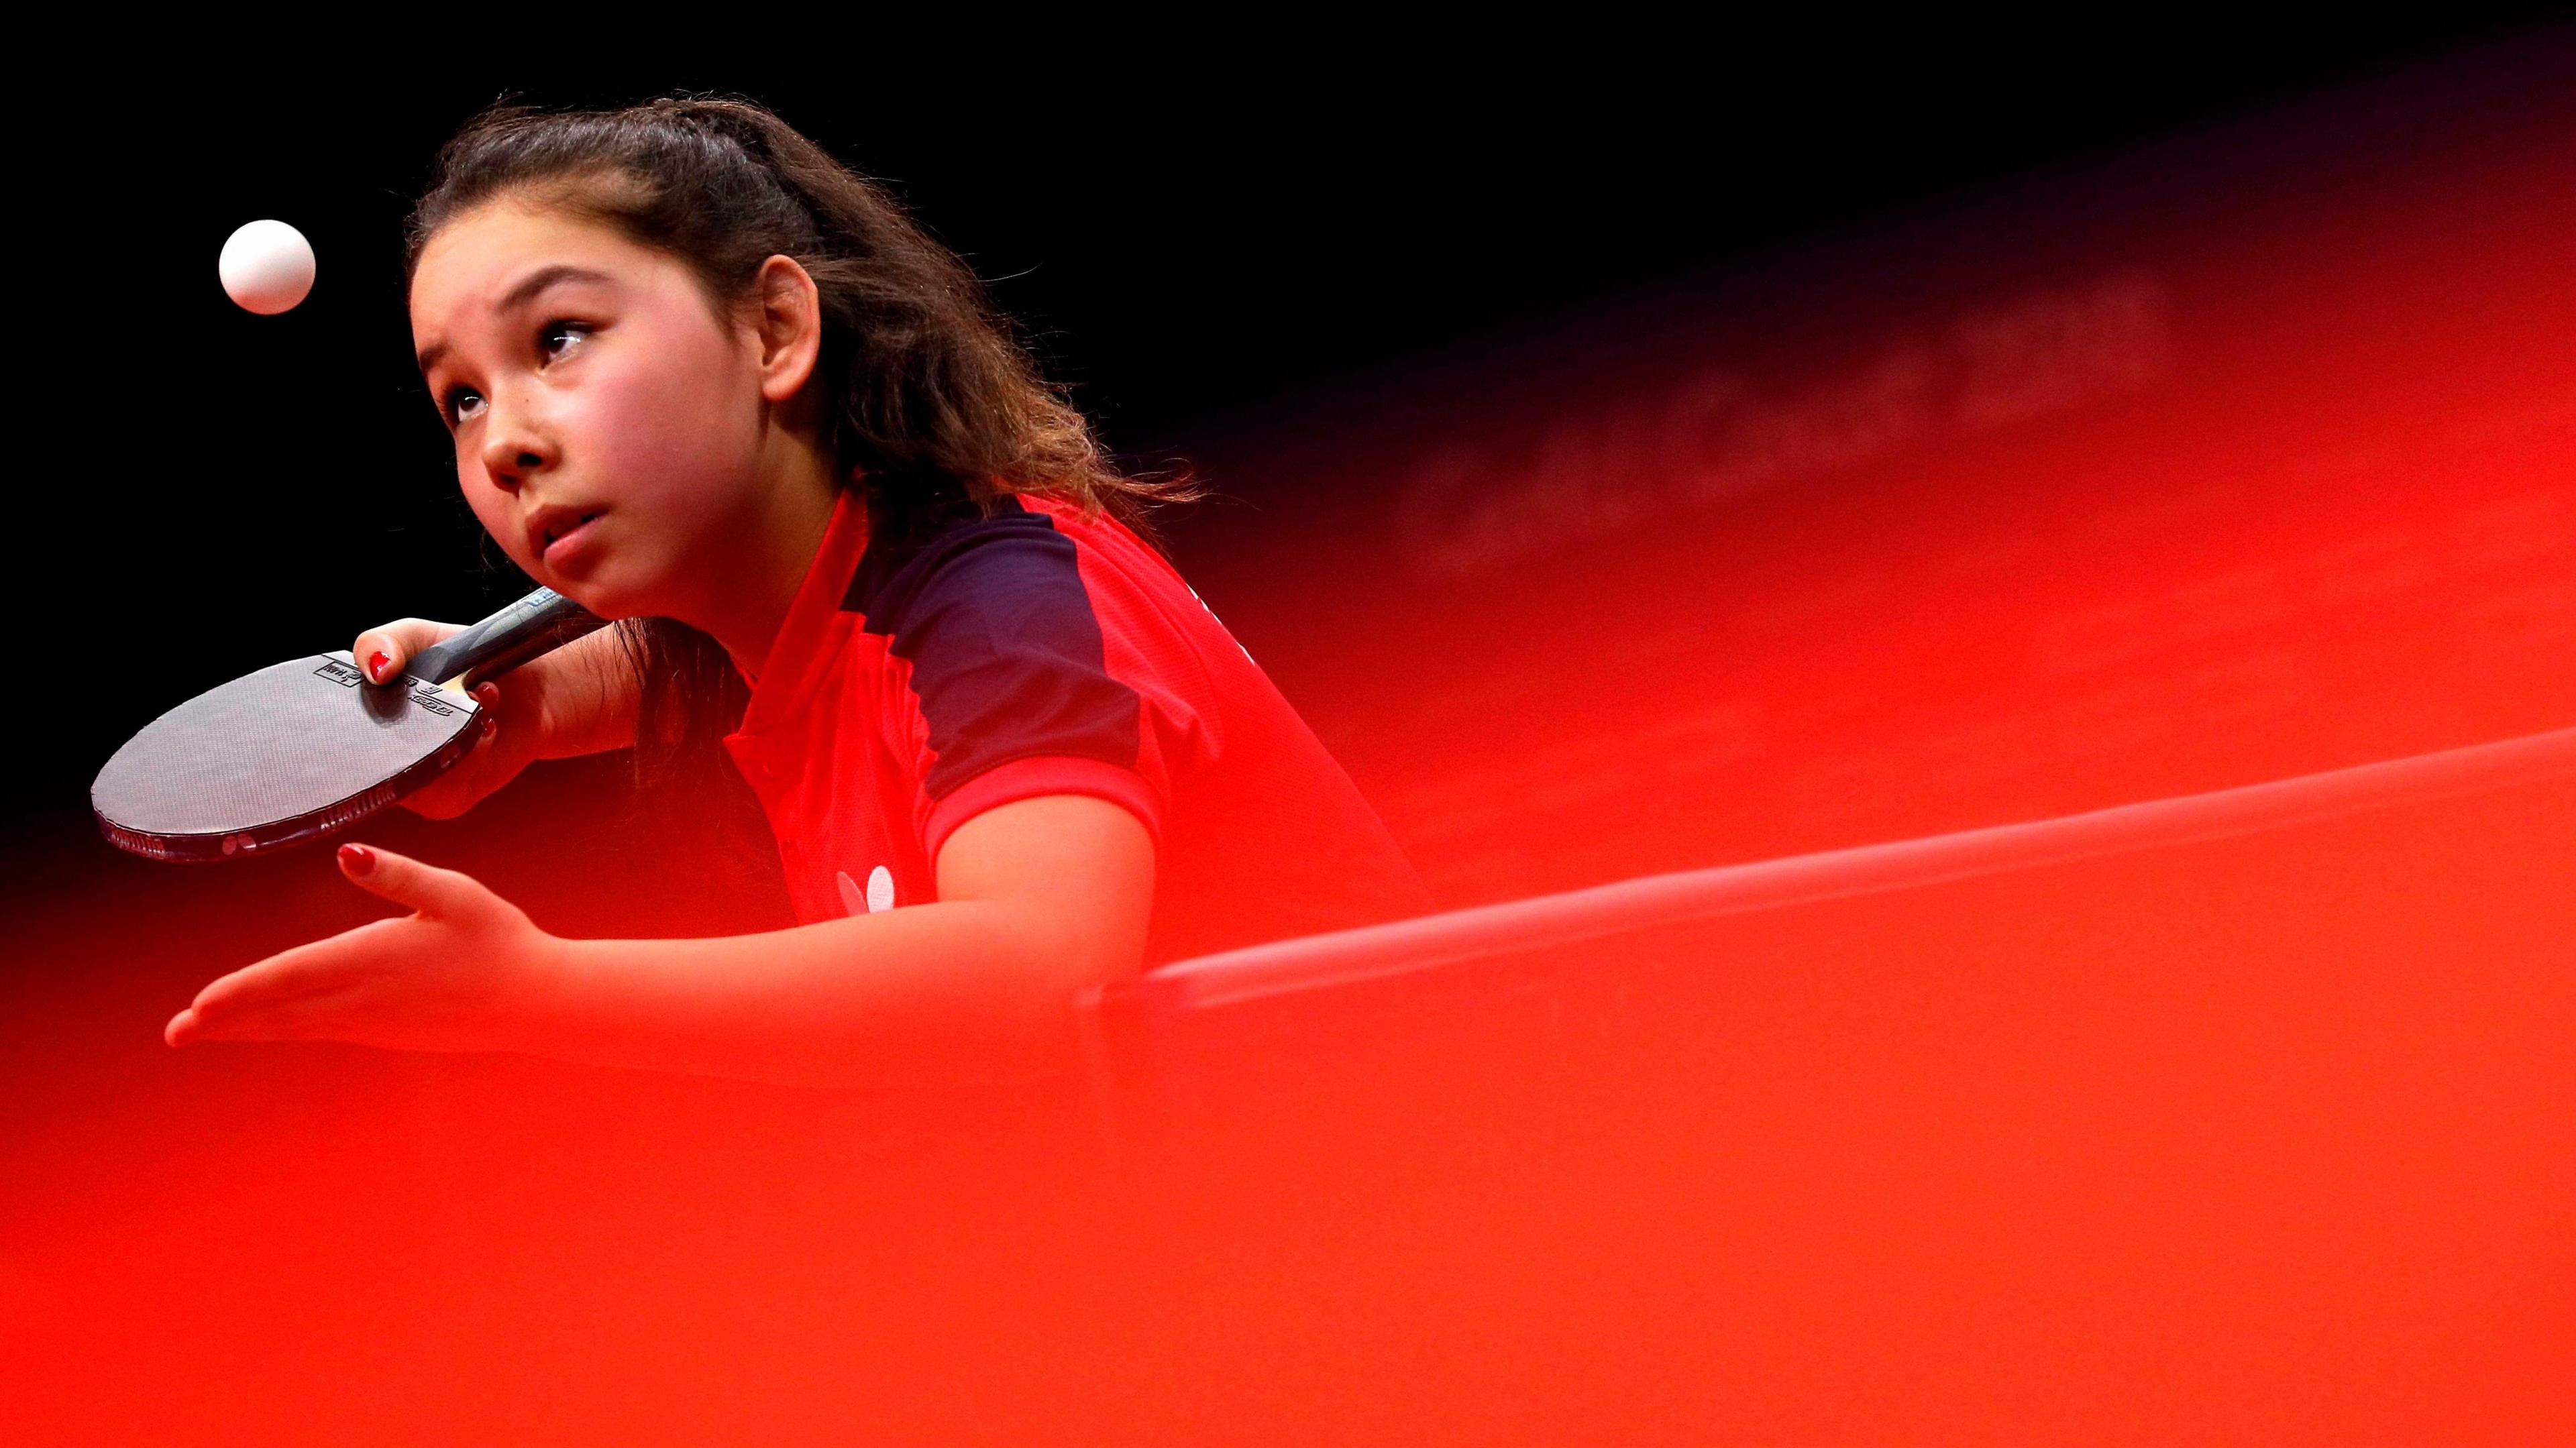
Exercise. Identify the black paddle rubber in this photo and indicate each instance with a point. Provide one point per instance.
(305, 748)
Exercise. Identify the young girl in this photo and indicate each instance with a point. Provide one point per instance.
(704, 380)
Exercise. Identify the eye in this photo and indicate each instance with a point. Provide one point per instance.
(452, 406)
(557, 337)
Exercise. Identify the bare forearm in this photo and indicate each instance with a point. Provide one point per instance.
(918, 995)
(1043, 901)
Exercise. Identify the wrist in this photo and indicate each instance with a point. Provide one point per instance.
(581, 710)
(535, 1003)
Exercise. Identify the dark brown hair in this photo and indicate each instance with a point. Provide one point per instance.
(928, 396)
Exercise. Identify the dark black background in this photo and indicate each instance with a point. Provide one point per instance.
(1181, 235)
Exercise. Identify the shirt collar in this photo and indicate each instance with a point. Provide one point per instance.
(796, 657)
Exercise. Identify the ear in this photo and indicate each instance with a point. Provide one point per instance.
(789, 327)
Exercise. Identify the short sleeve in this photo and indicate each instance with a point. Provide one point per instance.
(1031, 777)
(1024, 685)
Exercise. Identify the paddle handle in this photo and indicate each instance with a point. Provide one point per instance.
(539, 623)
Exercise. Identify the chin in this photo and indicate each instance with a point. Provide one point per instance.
(604, 603)
(609, 597)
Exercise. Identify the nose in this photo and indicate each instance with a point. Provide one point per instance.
(514, 445)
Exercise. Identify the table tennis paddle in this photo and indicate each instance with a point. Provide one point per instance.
(305, 748)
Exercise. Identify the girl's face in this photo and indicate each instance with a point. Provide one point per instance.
(584, 377)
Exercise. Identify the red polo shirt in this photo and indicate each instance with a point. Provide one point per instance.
(930, 671)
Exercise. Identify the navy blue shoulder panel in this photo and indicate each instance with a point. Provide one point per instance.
(1005, 649)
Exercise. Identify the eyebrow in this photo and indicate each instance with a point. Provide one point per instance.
(518, 296)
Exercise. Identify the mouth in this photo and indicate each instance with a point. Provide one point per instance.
(560, 538)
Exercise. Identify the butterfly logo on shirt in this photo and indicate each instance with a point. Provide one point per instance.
(880, 893)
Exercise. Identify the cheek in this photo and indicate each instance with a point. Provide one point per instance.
(678, 438)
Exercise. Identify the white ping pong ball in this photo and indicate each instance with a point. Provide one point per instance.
(267, 267)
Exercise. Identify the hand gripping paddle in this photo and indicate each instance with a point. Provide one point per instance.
(302, 749)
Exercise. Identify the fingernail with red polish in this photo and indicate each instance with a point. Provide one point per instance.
(376, 665)
(358, 858)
